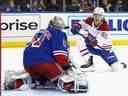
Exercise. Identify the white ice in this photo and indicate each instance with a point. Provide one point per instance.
(100, 83)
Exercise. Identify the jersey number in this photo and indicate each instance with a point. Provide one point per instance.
(39, 40)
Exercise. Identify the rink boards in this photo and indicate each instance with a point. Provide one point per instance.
(21, 44)
(17, 29)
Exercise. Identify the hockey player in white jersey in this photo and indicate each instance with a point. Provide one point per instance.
(95, 31)
(79, 54)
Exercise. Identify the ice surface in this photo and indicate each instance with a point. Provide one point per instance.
(100, 84)
(39, 93)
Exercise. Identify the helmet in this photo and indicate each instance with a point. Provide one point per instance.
(57, 22)
(98, 15)
(98, 11)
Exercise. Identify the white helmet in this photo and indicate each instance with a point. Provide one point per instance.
(58, 22)
(98, 11)
(98, 15)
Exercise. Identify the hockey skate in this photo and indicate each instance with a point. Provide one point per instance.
(124, 65)
(119, 66)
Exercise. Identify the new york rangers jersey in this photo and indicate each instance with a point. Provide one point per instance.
(44, 46)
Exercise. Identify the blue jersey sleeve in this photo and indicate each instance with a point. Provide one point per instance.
(59, 43)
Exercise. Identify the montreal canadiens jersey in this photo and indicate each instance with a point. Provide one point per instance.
(44, 46)
(78, 52)
(103, 38)
(103, 26)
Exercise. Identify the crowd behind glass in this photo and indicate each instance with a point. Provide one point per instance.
(62, 5)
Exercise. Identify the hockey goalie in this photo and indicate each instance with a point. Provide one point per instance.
(47, 64)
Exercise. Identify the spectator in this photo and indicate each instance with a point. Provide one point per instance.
(11, 6)
(125, 4)
(42, 5)
(57, 5)
(23, 5)
(38, 6)
(73, 7)
(53, 6)
(119, 6)
(35, 6)
(85, 6)
(3, 8)
(107, 5)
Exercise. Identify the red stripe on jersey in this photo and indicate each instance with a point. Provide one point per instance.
(61, 59)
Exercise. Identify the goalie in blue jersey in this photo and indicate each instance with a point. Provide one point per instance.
(46, 56)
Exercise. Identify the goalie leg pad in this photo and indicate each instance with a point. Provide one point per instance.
(14, 79)
(67, 83)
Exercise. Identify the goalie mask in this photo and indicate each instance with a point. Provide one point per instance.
(98, 15)
(57, 22)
